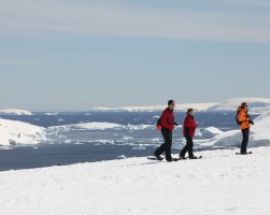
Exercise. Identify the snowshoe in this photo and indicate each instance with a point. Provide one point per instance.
(156, 157)
(244, 153)
(196, 158)
(172, 160)
(182, 158)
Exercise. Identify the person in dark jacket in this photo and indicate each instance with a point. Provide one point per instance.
(166, 124)
(189, 128)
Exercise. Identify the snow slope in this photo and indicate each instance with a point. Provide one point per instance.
(15, 132)
(220, 184)
(259, 136)
(15, 112)
(179, 107)
(256, 105)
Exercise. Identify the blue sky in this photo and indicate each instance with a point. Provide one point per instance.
(74, 55)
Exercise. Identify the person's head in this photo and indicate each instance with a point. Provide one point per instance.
(190, 112)
(171, 104)
(244, 105)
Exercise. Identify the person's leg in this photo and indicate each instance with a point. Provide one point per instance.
(185, 149)
(168, 152)
(243, 141)
(245, 133)
(162, 148)
(190, 147)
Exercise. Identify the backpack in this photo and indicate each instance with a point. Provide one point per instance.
(159, 126)
(236, 118)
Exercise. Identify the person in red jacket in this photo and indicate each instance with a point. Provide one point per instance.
(189, 128)
(166, 123)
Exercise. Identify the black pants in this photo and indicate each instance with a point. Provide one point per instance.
(188, 148)
(245, 133)
(166, 147)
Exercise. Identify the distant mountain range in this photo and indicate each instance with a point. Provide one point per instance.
(257, 105)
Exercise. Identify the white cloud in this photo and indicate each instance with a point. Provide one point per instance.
(38, 16)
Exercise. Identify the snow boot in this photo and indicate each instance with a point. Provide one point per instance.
(158, 157)
(172, 160)
(182, 157)
(193, 158)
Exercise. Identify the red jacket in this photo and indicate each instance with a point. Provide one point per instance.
(189, 126)
(167, 119)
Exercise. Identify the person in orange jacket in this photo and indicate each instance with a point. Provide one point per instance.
(244, 120)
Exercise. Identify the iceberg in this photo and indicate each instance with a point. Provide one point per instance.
(261, 130)
(16, 132)
(15, 112)
(259, 135)
(91, 126)
(95, 126)
(213, 130)
(256, 105)
(179, 107)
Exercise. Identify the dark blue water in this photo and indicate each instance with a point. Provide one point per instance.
(68, 144)
(216, 119)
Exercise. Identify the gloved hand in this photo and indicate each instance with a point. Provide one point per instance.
(251, 122)
(175, 123)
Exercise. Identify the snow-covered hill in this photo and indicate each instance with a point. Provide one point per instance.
(15, 132)
(221, 183)
(256, 105)
(15, 112)
(260, 134)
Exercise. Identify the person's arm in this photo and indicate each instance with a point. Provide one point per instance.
(194, 124)
(242, 117)
(250, 120)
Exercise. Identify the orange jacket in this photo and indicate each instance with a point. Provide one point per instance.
(243, 117)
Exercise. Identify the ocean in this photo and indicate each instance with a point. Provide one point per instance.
(98, 136)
